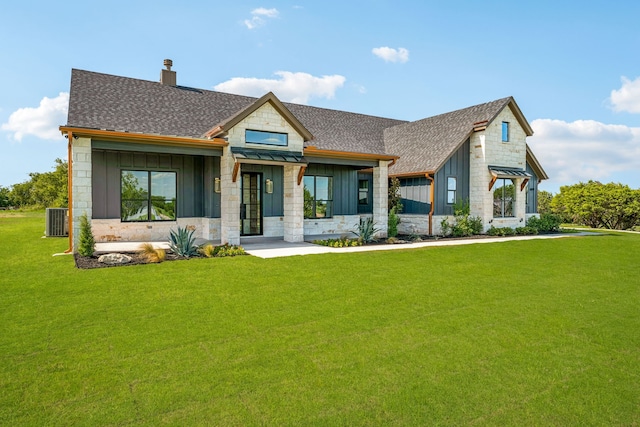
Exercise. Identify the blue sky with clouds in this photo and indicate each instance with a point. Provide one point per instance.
(573, 67)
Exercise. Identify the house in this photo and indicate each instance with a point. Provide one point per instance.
(146, 157)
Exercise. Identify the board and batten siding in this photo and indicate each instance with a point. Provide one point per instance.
(345, 186)
(457, 166)
(195, 181)
(532, 195)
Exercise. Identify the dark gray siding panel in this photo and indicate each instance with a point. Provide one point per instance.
(458, 167)
(415, 194)
(272, 204)
(532, 192)
(152, 148)
(195, 197)
(345, 186)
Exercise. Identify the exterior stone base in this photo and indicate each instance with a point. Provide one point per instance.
(113, 230)
(273, 226)
(339, 224)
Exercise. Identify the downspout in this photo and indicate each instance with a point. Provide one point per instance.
(70, 191)
(432, 191)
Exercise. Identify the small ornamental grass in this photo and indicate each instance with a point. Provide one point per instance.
(152, 255)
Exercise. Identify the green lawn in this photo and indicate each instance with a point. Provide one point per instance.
(542, 332)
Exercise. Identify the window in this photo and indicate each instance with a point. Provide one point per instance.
(505, 131)
(452, 187)
(266, 138)
(147, 196)
(318, 197)
(363, 192)
(503, 197)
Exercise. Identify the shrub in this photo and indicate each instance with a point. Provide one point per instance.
(151, 254)
(86, 243)
(501, 231)
(394, 220)
(183, 243)
(547, 223)
(526, 231)
(342, 242)
(367, 230)
(220, 251)
(464, 224)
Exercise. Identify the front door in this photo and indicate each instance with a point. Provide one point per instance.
(251, 204)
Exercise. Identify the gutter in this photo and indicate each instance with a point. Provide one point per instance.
(432, 196)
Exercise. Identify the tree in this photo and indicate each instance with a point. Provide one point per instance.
(5, 197)
(395, 200)
(43, 190)
(544, 202)
(597, 205)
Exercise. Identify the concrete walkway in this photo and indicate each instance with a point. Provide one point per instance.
(275, 247)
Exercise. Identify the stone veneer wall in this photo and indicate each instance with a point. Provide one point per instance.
(266, 118)
(339, 224)
(486, 149)
(113, 230)
(81, 184)
(229, 201)
(381, 197)
(293, 227)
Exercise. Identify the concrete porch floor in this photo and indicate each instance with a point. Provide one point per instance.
(273, 247)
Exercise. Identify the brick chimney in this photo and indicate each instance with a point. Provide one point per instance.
(168, 77)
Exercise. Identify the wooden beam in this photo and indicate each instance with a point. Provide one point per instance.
(234, 174)
(493, 181)
(524, 184)
(301, 173)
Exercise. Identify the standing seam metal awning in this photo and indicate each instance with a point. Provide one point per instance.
(267, 155)
(506, 172)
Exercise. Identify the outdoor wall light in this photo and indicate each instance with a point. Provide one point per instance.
(217, 185)
(268, 186)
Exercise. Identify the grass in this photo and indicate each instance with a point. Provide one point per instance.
(543, 332)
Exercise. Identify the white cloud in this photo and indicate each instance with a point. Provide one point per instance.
(290, 87)
(627, 98)
(42, 121)
(584, 150)
(390, 54)
(258, 17)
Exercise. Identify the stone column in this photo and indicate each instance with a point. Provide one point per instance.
(229, 200)
(293, 205)
(81, 184)
(381, 197)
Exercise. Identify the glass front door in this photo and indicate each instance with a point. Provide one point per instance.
(251, 204)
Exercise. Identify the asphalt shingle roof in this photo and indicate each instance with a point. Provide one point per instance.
(102, 101)
(425, 145)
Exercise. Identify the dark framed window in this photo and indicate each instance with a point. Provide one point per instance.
(505, 131)
(452, 189)
(363, 192)
(147, 195)
(504, 195)
(318, 197)
(266, 138)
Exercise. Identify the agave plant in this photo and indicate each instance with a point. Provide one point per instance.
(367, 230)
(183, 243)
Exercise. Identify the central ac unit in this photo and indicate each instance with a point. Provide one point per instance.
(57, 222)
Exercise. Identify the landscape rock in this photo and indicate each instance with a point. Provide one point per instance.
(114, 259)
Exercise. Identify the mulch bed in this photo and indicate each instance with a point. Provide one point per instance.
(85, 262)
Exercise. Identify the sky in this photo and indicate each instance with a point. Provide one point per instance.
(573, 67)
